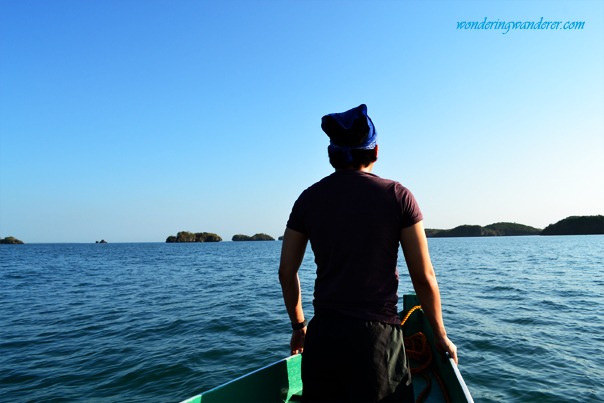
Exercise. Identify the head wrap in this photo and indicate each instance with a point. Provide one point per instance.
(350, 130)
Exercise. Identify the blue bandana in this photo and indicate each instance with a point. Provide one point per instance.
(350, 130)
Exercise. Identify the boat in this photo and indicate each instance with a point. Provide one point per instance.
(435, 378)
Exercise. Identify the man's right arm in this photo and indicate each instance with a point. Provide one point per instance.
(292, 254)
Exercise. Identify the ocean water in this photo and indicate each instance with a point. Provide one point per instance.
(162, 322)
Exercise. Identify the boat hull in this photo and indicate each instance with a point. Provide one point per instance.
(441, 381)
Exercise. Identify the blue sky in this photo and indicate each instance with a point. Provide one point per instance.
(132, 120)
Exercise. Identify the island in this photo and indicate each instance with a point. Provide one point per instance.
(11, 240)
(186, 236)
(574, 225)
(497, 229)
(256, 237)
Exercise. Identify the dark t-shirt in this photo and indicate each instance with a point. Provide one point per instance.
(353, 220)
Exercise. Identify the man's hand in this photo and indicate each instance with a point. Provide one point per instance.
(297, 342)
(446, 346)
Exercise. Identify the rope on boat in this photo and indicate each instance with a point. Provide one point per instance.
(415, 308)
(417, 348)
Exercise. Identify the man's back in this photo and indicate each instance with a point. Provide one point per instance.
(353, 220)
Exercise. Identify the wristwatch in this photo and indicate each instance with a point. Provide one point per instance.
(298, 326)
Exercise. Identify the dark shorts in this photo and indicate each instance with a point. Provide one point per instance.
(347, 360)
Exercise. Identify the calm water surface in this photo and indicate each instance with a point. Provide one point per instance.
(162, 322)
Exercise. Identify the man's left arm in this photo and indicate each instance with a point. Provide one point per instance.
(417, 256)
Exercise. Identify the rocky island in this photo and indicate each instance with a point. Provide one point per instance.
(186, 236)
(11, 240)
(256, 237)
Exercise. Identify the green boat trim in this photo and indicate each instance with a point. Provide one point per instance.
(277, 382)
(282, 381)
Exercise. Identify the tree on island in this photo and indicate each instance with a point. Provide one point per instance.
(574, 225)
(186, 236)
(577, 225)
(511, 229)
(256, 237)
(497, 229)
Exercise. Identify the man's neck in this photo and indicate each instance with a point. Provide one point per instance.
(367, 168)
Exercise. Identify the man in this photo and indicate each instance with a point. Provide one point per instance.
(352, 350)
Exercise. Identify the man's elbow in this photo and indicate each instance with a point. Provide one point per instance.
(424, 282)
(284, 275)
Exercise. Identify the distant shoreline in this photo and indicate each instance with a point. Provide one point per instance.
(228, 241)
(573, 225)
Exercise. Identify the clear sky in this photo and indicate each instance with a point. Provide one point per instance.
(130, 120)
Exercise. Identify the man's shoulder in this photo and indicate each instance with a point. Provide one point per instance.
(385, 182)
(325, 181)
(354, 178)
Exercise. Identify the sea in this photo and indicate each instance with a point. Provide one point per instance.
(159, 322)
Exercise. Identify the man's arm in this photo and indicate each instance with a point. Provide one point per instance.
(417, 256)
(292, 253)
